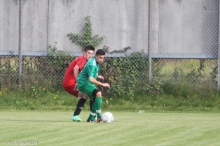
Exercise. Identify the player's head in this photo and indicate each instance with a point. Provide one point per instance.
(100, 56)
(88, 52)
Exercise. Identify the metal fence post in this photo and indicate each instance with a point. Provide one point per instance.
(19, 49)
(149, 47)
(153, 32)
(219, 66)
(219, 54)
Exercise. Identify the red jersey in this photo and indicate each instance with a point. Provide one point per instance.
(69, 78)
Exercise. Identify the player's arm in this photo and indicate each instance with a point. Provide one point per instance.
(76, 71)
(100, 77)
(94, 81)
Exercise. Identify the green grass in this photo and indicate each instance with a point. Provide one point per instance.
(128, 129)
(187, 65)
(162, 102)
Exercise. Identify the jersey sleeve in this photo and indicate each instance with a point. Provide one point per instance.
(81, 63)
(91, 71)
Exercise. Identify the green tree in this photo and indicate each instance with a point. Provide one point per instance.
(86, 38)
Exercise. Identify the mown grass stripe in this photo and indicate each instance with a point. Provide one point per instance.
(98, 130)
(203, 136)
(129, 128)
(171, 136)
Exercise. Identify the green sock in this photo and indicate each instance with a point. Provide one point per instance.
(93, 112)
(92, 116)
(98, 105)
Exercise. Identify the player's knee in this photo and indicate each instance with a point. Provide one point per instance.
(96, 93)
(99, 94)
(84, 97)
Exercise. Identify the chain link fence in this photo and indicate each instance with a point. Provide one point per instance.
(150, 44)
(188, 35)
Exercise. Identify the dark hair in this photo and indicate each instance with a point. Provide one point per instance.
(89, 47)
(100, 52)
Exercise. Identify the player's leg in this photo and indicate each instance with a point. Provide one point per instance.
(92, 111)
(91, 91)
(83, 97)
(96, 108)
(92, 115)
(81, 102)
(70, 89)
(98, 105)
(92, 100)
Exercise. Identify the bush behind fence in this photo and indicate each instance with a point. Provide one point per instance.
(127, 75)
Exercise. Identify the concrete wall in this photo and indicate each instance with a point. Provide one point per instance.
(177, 27)
(188, 27)
(34, 25)
(9, 24)
(123, 23)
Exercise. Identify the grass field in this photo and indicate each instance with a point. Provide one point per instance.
(128, 129)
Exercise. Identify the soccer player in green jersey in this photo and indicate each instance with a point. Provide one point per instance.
(86, 83)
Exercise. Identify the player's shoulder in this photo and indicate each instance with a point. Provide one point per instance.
(92, 63)
(77, 59)
(80, 58)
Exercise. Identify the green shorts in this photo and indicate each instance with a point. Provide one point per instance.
(87, 89)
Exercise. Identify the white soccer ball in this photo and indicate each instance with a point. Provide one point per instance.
(107, 117)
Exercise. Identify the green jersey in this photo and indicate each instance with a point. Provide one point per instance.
(91, 69)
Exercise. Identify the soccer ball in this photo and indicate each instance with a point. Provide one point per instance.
(107, 117)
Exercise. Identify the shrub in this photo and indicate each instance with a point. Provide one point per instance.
(86, 38)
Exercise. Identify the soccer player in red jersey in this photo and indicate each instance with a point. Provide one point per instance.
(69, 80)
